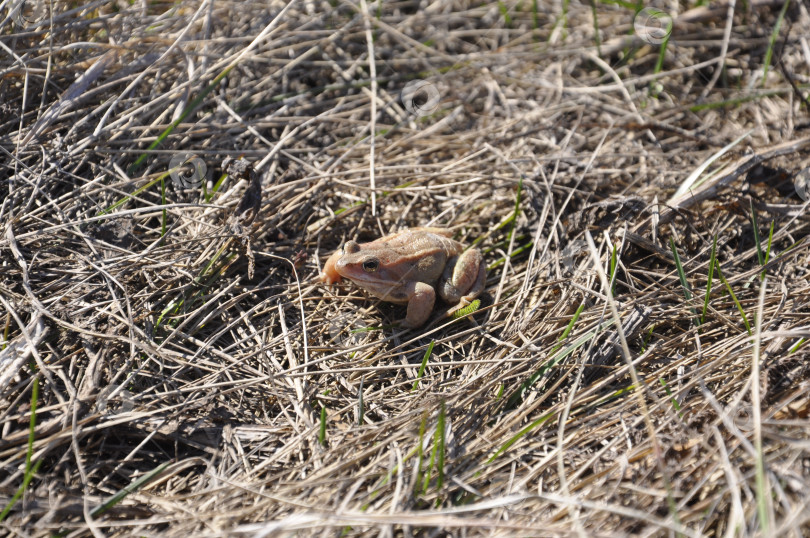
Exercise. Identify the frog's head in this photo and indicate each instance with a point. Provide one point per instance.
(381, 271)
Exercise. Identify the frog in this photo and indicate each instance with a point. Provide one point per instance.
(411, 267)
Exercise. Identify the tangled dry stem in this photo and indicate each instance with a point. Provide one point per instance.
(166, 330)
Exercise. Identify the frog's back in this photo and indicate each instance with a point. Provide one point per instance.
(416, 240)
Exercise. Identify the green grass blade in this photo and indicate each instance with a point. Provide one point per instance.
(763, 491)
(322, 430)
(767, 251)
(421, 372)
(734, 102)
(210, 195)
(645, 340)
(512, 219)
(570, 326)
(429, 473)
(755, 225)
(514, 439)
(361, 408)
(613, 264)
(135, 486)
(772, 42)
(514, 254)
(183, 115)
(163, 203)
(709, 281)
(138, 191)
(420, 454)
(517, 396)
(6, 329)
(687, 290)
(507, 20)
(30, 470)
(662, 50)
(672, 399)
(734, 298)
(441, 438)
(597, 39)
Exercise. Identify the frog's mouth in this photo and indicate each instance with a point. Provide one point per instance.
(386, 291)
(379, 282)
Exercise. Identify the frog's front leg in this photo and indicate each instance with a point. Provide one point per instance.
(420, 305)
(464, 279)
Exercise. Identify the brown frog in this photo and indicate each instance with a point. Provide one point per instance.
(409, 267)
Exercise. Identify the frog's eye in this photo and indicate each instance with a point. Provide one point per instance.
(371, 265)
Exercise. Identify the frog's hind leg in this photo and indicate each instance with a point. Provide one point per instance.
(464, 278)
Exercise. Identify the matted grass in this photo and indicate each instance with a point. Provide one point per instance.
(172, 366)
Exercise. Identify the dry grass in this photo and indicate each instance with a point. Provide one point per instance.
(156, 327)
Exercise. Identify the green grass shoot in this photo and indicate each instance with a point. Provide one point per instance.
(322, 429)
(133, 487)
(5, 331)
(755, 226)
(517, 396)
(183, 115)
(163, 209)
(420, 453)
(687, 290)
(208, 196)
(504, 9)
(613, 264)
(596, 37)
(734, 298)
(768, 250)
(137, 191)
(672, 399)
(798, 345)
(712, 261)
(30, 470)
(772, 41)
(646, 339)
(514, 253)
(512, 218)
(361, 408)
(421, 372)
(441, 439)
(519, 435)
(662, 49)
